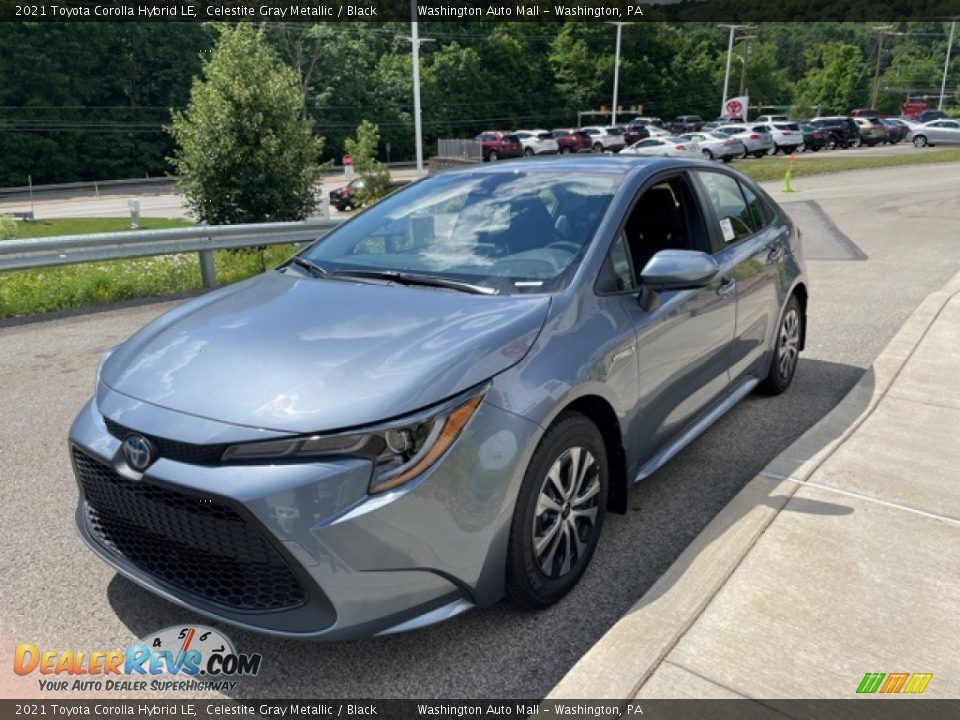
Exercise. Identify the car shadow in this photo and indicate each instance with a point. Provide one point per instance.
(503, 651)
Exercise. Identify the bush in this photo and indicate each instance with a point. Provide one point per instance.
(363, 152)
(8, 227)
(245, 151)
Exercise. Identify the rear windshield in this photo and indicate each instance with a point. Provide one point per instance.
(786, 126)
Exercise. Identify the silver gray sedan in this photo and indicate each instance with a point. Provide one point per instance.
(936, 132)
(717, 145)
(435, 405)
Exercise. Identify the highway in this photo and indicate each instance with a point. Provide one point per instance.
(877, 243)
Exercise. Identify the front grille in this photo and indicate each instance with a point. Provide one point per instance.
(172, 449)
(194, 544)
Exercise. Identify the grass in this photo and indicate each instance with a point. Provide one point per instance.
(84, 226)
(27, 292)
(773, 168)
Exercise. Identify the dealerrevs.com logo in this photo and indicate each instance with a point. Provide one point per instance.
(186, 658)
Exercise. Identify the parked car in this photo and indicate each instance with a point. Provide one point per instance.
(714, 124)
(633, 133)
(842, 132)
(572, 141)
(772, 118)
(343, 198)
(664, 147)
(814, 139)
(716, 145)
(756, 139)
(537, 142)
(787, 136)
(938, 132)
(872, 130)
(928, 115)
(865, 112)
(896, 129)
(499, 145)
(647, 121)
(437, 404)
(605, 138)
(685, 124)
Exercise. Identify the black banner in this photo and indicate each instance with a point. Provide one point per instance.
(473, 10)
(855, 709)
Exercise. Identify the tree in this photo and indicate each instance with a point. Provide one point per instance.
(363, 152)
(836, 81)
(244, 151)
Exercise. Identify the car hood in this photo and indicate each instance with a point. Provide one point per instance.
(302, 355)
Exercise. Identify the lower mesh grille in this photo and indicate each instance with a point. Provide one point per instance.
(192, 543)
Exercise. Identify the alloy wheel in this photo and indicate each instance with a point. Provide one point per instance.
(789, 348)
(565, 518)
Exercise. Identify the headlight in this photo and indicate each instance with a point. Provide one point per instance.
(400, 451)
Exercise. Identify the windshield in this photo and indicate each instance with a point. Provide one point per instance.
(514, 231)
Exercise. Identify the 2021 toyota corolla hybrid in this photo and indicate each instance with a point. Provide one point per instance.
(435, 404)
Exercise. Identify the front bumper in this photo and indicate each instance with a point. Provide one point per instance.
(300, 549)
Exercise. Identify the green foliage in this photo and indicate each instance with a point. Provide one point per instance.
(837, 80)
(363, 153)
(245, 153)
(85, 226)
(8, 227)
(773, 168)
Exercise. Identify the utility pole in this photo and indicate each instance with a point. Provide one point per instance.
(946, 63)
(882, 32)
(415, 40)
(744, 59)
(726, 75)
(616, 71)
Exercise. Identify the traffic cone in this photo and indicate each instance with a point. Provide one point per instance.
(786, 178)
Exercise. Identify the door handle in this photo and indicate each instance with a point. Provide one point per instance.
(774, 251)
(726, 286)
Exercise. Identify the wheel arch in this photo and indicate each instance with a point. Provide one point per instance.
(601, 413)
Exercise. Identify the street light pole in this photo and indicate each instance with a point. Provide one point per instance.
(414, 39)
(616, 72)
(946, 64)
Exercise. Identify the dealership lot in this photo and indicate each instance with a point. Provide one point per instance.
(879, 241)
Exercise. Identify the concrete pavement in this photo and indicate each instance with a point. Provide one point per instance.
(838, 559)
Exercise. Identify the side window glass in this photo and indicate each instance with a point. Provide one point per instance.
(616, 275)
(735, 218)
(759, 211)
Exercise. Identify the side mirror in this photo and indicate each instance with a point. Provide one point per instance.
(675, 270)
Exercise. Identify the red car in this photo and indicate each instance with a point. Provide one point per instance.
(572, 141)
(499, 145)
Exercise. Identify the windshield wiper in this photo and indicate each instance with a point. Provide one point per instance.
(310, 267)
(404, 278)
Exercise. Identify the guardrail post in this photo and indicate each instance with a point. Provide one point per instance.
(207, 271)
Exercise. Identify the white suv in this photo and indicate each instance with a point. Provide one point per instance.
(787, 136)
(606, 138)
(537, 142)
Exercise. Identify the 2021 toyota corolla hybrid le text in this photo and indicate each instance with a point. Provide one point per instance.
(434, 406)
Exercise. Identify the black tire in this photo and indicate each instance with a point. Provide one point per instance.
(727, 158)
(527, 583)
(832, 142)
(788, 341)
(528, 152)
(760, 154)
(597, 147)
(856, 142)
(707, 155)
(565, 150)
(920, 141)
(493, 156)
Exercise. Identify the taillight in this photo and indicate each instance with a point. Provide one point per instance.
(787, 132)
(679, 147)
(754, 137)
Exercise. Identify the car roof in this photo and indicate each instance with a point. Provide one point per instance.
(584, 164)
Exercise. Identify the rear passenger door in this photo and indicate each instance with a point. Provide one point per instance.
(745, 239)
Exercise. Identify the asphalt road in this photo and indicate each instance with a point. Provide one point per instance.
(56, 594)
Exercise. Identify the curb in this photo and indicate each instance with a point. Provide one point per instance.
(618, 665)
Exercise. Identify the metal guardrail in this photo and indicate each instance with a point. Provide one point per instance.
(202, 239)
(460, 149)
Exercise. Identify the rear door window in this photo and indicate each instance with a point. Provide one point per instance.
(734, 215)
